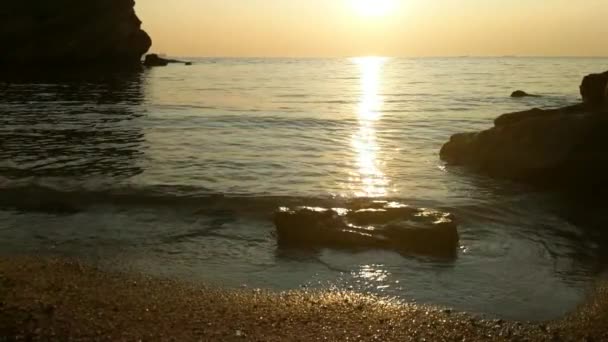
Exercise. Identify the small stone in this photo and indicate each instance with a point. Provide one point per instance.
(48, 309)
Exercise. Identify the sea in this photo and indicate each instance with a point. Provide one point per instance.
(177, 171)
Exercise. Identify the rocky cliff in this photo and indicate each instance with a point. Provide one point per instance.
(559, 148)
(46, 33)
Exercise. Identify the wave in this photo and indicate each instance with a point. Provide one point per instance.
(323, 102)
(294, 95)
(475, 219)
(48, 197)
(57, 197)
(185, 106)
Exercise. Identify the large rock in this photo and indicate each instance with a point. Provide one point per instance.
(378, 224)
(559, 148)
(594, 89)
(45, 33)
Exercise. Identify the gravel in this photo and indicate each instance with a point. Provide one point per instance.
(58, 299)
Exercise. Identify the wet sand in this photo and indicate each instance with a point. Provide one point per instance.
(53, 299)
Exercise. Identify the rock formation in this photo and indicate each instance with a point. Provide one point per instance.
(377, 224)
(594, 89)
(45, 33)
(521, 93)
(154, 60)
(563, 147)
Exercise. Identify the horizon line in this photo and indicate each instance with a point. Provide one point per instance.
(381, 56)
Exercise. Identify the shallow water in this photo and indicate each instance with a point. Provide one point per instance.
(176, 171)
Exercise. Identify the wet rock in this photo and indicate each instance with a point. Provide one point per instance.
(521, 93)
(42, 34)
(548, 147)
(511, 118)
(376, 224)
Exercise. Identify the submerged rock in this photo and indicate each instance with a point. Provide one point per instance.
(377, 224)
(562, 147)
(521, 93)
(42, 33)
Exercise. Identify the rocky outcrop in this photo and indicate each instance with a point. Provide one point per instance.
(154, 60)
(594, 89)
(44, 33)
(563, 147)
(521, 93)
(379, 224)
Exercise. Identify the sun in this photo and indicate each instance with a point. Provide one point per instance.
(374, 8)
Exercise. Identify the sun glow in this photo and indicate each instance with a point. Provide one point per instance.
(374, 8)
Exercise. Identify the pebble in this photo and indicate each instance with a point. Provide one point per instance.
(190, 313)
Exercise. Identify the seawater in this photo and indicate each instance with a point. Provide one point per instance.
(176, 172)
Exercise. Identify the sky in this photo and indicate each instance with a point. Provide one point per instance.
(340, 28)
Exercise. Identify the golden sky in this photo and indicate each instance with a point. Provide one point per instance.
(327, 28)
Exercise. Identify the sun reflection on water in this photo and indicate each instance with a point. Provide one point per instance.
(375, 273)
(369, 180)
(374, 277)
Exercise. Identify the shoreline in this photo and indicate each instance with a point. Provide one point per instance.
(62, 299)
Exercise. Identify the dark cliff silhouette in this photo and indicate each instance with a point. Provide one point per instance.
(69, 33)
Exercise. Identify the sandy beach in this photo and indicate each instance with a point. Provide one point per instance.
(53, 299)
